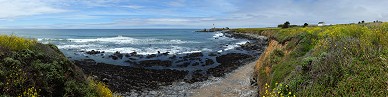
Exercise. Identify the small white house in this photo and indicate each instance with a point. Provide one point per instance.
(321, 24)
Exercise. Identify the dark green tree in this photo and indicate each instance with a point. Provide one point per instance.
(305, 25)
(286, 25)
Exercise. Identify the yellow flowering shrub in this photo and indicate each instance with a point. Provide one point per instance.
(30, 92)
(16, 43)
(101, 89)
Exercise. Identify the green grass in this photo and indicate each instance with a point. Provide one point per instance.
(340, 60)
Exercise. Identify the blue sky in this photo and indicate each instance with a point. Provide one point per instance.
(133, 14)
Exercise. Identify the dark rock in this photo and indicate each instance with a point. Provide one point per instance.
(232, 58)
(194, 55)
(212, 54)
(138, 79)
(213, 30)
(120, 56)
(209, 62)
(132, 58)
(127, 55)
(88, 61)
(150, 63)
(185, 64)
(133, 53)
(195, 64)
(113, 57)
(228, 63)
(179, 61)
(93, 52)
(116, 55)
(151, 56)
(131, 62)
(173, 57)
(166, 53)
(196, 77)
(251, 46)
(105, 80)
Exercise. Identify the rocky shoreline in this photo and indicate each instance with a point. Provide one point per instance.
(150, 72)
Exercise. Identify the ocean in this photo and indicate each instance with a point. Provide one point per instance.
(74, 42)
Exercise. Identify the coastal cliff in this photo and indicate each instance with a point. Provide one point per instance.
(341, 60)
(30, 69)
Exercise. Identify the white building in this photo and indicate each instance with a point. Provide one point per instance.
(321, 24)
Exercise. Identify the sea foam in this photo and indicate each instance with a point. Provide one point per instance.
(129, 40)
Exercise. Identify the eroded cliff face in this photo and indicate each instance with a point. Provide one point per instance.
(265, 59)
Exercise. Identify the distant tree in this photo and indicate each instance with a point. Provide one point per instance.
(280, 26)
(359, 22)
(227, 28)
(286, 25)
(305, 25)
(362, 22)
(293, 26)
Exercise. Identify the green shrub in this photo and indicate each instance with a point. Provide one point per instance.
(39, 70)
(278, 53)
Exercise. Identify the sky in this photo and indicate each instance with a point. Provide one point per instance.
(198, 14)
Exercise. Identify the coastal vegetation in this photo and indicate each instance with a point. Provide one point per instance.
(339, 60)
(31, 69)
(15, 43)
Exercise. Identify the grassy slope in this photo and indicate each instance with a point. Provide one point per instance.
(28, 68)
(341, 60)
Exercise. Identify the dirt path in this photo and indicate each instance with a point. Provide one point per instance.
(236, 84)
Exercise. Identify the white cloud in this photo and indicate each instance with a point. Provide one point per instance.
(168, 20)
(133, 6)
(97, 3)
(176, 3)
(18, 8)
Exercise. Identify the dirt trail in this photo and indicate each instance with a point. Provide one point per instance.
(235, 84)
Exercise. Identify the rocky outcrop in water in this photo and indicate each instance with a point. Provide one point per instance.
(93, 52)
(150, 63)
(125, 79)
(228, 63)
